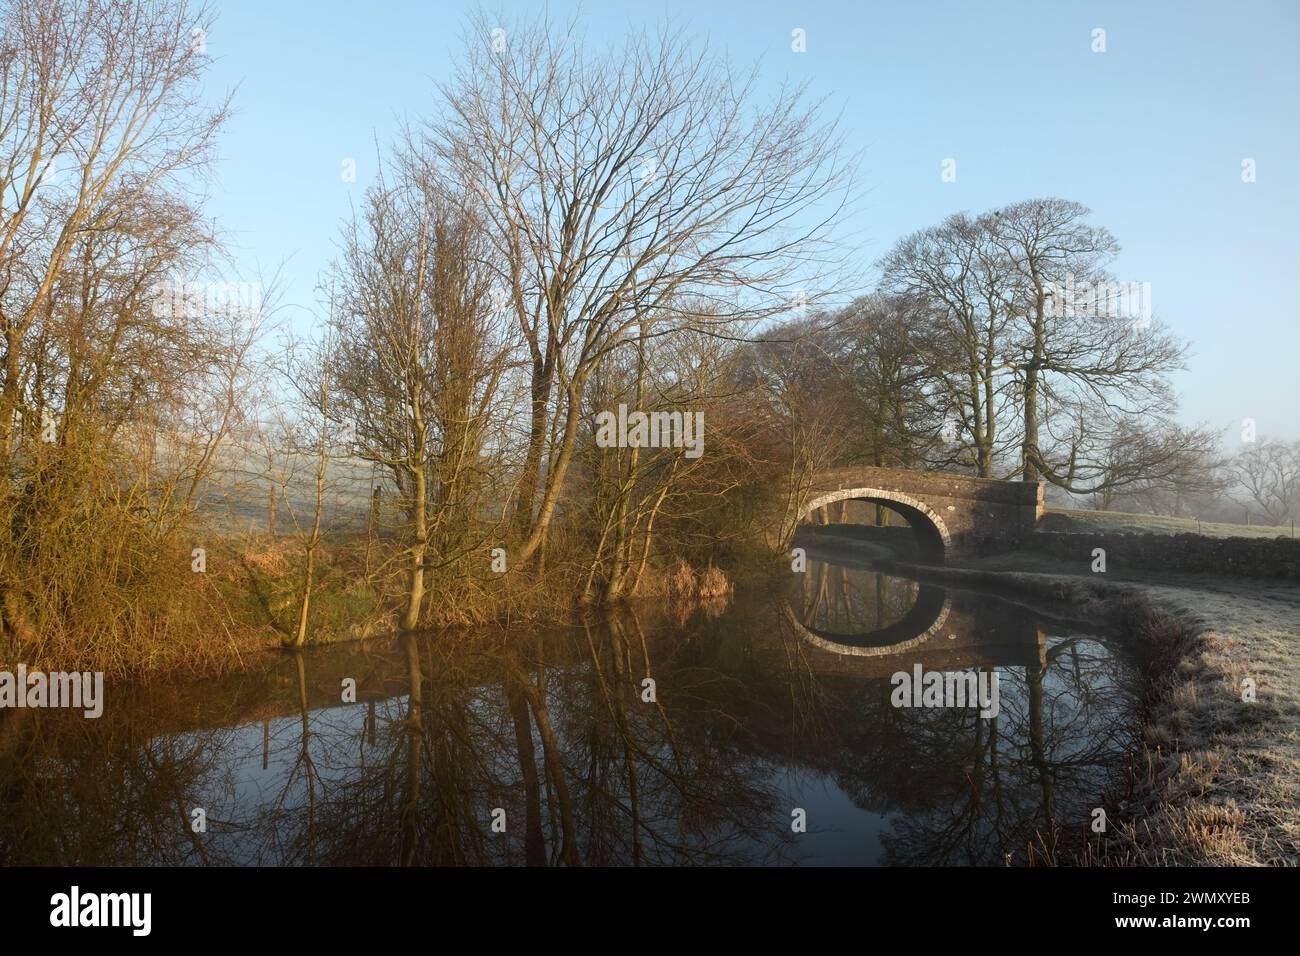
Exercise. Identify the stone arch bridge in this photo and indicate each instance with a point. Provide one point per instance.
(952, 515)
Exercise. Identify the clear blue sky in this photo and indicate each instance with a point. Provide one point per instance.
(1150, 134)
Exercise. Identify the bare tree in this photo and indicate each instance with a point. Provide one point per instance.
(618, 184)
(658, 493)
(890, 356)
(789, 376)
(114, 403)
(421, 359)
(1163, 468)
(1268, 473)
(311, 374)
(99, 113)
(959, 279)
(1092, 370)
(1023, 365)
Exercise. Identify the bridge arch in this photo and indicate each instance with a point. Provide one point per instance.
(925, 619)
(929, 528)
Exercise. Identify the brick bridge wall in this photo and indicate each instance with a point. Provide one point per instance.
(978, 514)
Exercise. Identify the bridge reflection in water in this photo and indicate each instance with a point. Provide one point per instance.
(864, 613)
(750, 720)
(854, 611)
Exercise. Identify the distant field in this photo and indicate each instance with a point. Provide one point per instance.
(238, 496)
(1082, 521)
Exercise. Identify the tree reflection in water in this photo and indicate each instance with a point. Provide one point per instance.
(749, 720)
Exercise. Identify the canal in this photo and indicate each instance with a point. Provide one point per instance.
(763, 732)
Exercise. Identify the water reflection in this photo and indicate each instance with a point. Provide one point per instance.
(557, 738)
(853, 610)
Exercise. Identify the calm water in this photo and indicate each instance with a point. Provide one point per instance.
(774, 705)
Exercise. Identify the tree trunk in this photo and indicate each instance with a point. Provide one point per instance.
(1029, 467)
(543, 373)
(1030, 450)
(9, 395)
(415, 593)
(300, 638)
(555, 479)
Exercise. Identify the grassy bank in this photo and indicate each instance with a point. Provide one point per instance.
(355, 592)
(176, 613)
